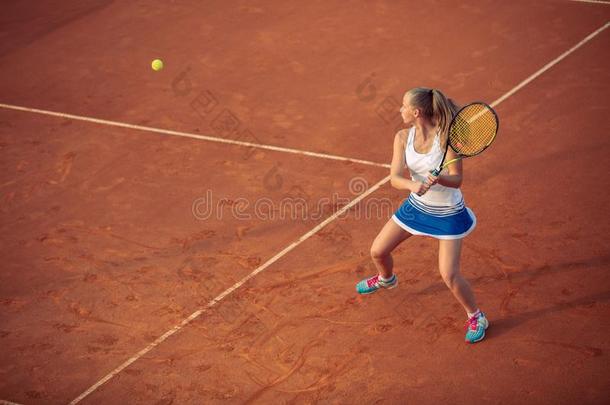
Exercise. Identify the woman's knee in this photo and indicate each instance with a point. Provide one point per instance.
(450, 276)
(379, 252)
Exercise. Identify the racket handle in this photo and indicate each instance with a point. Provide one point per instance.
(438, 170)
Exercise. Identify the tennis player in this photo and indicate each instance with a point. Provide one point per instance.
(435, 206)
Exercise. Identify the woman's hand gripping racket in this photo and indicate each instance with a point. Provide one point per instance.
(471, 131)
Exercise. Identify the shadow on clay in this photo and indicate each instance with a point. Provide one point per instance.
(500, 326)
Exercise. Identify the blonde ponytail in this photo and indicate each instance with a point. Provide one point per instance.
(435, 107)
(443, 110)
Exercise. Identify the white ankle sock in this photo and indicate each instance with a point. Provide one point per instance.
(475, 313)
(385, 280)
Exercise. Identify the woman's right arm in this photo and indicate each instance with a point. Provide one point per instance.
(398, 167)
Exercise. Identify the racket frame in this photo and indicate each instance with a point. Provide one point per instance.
(442, 165)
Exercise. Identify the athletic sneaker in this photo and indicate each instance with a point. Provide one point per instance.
(475, 328)
(372, 284)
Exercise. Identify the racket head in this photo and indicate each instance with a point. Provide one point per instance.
(473, 129)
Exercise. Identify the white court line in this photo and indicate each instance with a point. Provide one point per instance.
(191, 135)
(5, 402)
(228, 291)
(550, 65)
(592, 1)
(289, 248)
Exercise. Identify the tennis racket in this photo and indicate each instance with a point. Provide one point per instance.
(471, 131)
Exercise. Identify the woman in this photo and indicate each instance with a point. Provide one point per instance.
(435, 206)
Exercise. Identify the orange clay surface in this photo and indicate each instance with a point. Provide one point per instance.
(101, 253)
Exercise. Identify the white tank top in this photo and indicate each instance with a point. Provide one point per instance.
(420, 164)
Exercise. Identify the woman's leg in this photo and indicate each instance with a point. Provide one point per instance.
(449, 266)
(390, 236)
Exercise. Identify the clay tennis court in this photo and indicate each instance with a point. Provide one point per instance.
(144, 257)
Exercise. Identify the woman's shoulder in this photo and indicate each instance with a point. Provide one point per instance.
(403, 135)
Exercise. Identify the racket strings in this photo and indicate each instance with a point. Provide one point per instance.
(473, 129)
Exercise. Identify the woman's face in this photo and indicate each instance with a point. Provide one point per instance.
(407, 111)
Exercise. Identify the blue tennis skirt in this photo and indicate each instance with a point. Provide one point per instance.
(418, 218)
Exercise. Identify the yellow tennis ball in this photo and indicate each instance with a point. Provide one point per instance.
(157, 65)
